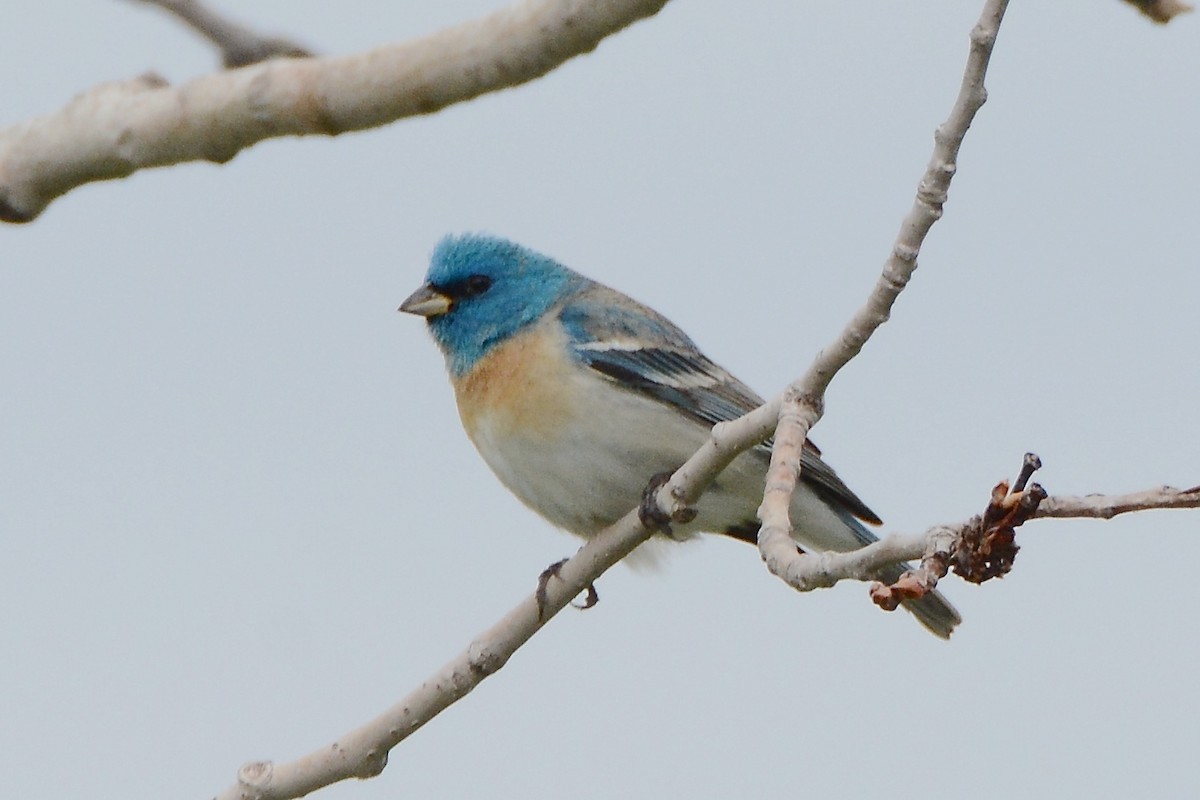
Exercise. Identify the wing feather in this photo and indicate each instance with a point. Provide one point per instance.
(644, 352)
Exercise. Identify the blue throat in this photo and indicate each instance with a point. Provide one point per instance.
(525, 285)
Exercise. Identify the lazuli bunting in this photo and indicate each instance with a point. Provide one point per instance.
(576, 395)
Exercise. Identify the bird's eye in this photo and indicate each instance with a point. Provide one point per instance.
(476, 285)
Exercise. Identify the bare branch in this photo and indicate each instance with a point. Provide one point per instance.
(803, 403)
(362, 753)
(1102, 506)
(238, 44)
(822, 570)
(115, 129)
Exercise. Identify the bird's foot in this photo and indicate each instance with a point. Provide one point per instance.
(652, 516)
(592, 596)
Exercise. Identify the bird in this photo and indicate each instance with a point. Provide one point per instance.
(577, 395)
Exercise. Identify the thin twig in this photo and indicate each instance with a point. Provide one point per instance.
(803, 403)
(362, 753)
(823, 570)
(238, 44)
(1103, 506)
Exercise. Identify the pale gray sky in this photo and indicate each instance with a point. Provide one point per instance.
(239, 516)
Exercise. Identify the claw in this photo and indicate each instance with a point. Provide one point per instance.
(592, 598)
(652, 517)
(543, 580)
(553, 571)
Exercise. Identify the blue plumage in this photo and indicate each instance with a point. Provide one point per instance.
(523, 286)
(576, 395)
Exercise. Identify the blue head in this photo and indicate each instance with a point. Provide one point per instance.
(480, 290)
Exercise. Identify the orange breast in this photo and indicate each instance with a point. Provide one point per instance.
(522, 387)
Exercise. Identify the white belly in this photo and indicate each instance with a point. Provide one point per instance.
(580, 451)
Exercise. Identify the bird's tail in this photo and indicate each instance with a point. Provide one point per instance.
(933, 610)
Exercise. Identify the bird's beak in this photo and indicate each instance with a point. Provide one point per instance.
(426, 302)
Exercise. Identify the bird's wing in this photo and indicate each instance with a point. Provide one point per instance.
(644, 352)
